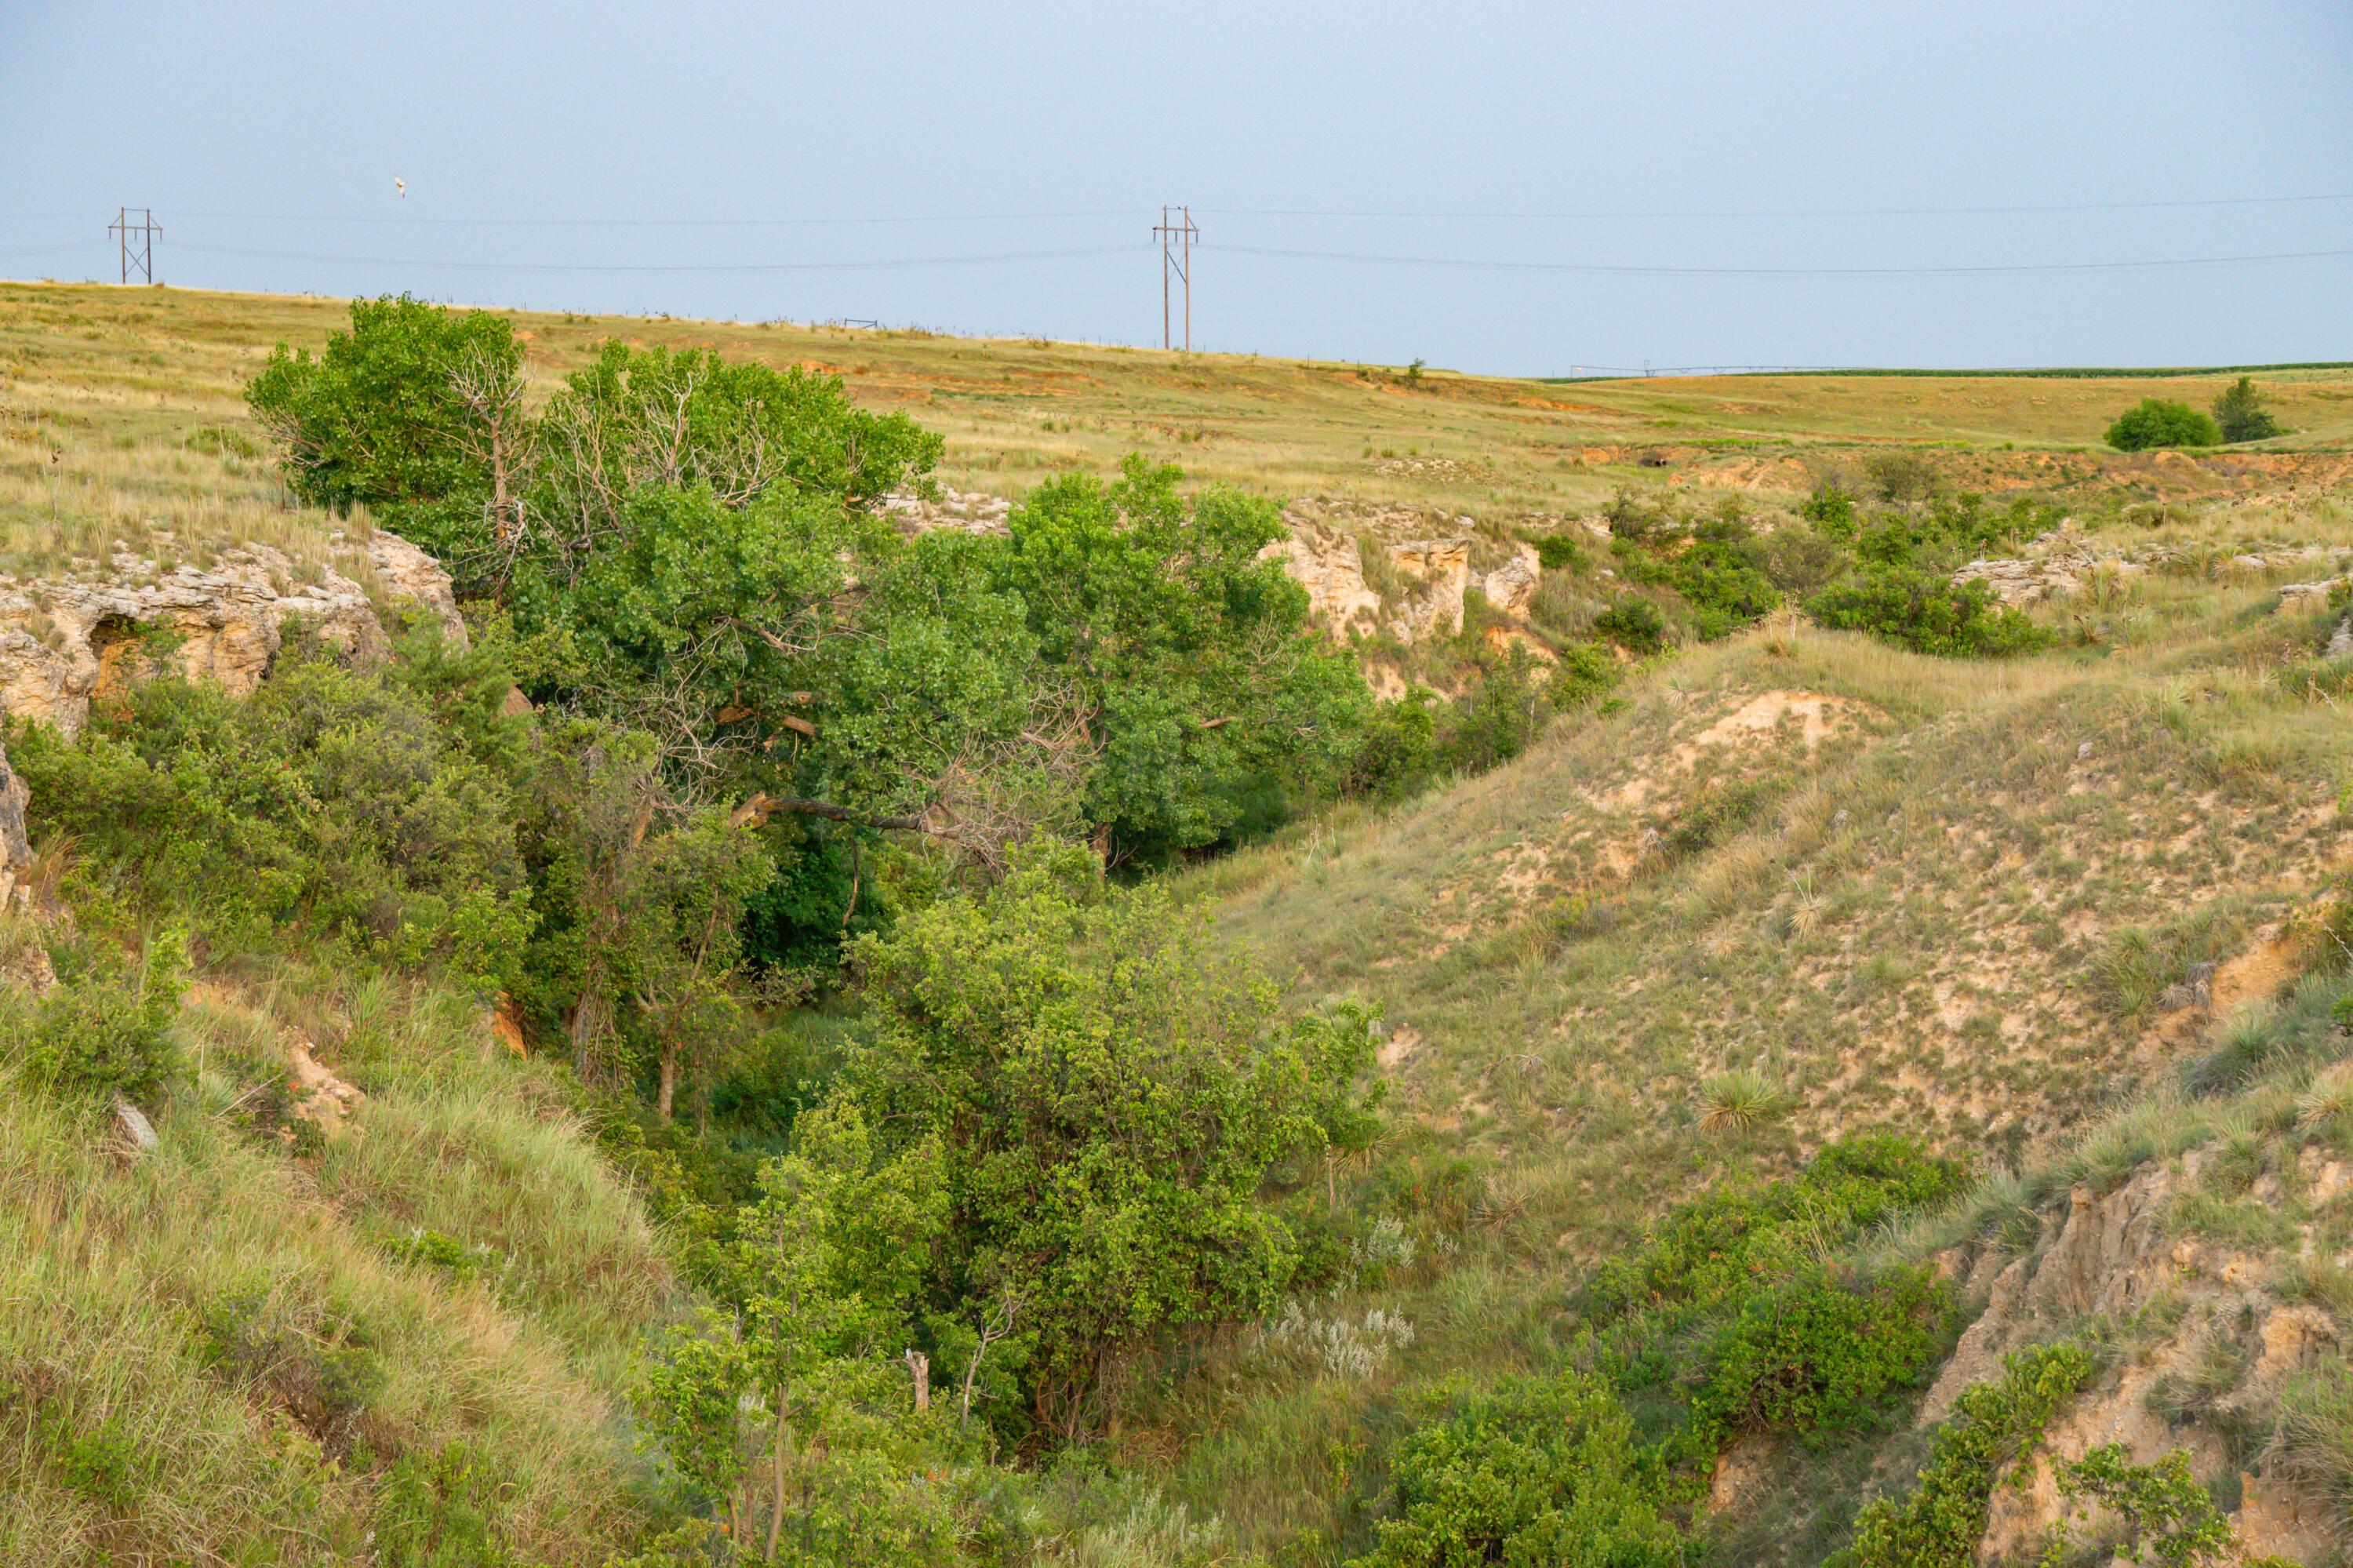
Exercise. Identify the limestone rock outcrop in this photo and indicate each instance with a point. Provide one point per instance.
(1331, 567)
(964, 511)
(16, 851)
(66, 641)
(1440, 571)
(1512, 586)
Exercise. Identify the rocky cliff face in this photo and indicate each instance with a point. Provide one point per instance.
(1413, 591)
(66, 641)
(15, 853)
(2205, 1314)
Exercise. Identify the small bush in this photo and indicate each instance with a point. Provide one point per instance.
(1819, 1354)
(2156, 422)
(112, 1032)
(1634, 624)
(1729, 1242)
(1902, 477)
(1546, 1470)
(1586, 671)
(2160, 1509)
(1831, 509)
(1927, 613)
(1556, 552)
(1714, 816)
(1992, 1425)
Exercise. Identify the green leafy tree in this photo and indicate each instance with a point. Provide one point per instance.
(787, 1412)
(1193, 670)
(2240, 413)
(413, 405)
(1109, 1098)
(2156, 422)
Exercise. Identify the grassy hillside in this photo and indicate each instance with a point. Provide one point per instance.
(2074, 921)
(200, 1347)
(121, 414)
(1844, 886)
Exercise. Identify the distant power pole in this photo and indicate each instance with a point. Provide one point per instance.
(139, 251)
(1177, 258)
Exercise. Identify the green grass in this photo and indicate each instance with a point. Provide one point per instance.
(215, 1353)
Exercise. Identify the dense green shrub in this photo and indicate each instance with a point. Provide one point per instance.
(2161, 1510)
(109, 1028)
(1831, 510)
(1542, 1471)
(1634, 624)
(1927, 612)
(343, 803)
(1586, 671)
(2156, 422)
(1556, 552)
(1992, 1425)
(2239, 414)
(1902, 477)
(1717, 578)
(1815, 1353)
(1496, 719)
(1711, 1251)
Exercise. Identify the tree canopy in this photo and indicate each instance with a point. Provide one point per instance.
(2155, 422)
(2239, 414)
(1109, 1098)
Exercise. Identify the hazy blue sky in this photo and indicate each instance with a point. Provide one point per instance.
(263, 133)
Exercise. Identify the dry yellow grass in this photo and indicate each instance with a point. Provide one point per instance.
(120, 414)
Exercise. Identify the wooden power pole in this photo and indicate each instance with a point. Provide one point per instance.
(138, 242)
(1176, 261)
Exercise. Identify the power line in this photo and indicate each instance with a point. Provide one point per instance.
(1791, 212)
(1615, 270)
(2158, 205)
(870, 264)
(1128, 212)
(57, 250)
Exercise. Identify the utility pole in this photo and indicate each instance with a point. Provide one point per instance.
(1175, 258)
(141, 254)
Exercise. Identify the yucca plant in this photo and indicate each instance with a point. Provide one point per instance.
(1738, 1100)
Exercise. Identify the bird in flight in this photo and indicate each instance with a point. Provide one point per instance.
(400, 184)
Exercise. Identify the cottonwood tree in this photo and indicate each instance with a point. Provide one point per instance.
(1198, 680)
